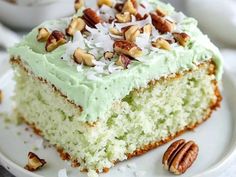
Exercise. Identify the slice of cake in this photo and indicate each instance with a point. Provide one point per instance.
(116, 80)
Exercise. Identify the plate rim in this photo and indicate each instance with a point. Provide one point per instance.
(15, 168)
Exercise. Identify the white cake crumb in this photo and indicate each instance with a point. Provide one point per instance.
(62, 173)
(139, 173)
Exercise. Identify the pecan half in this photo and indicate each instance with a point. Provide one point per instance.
(132, 33)
(43, 34)
(1, 96)
(76, 24)
(108, 55)
(105, 2)
(130, 6)
(162, 24)
(123, 17)
(79, 4)
(91, 18)
(123, 61)
(161, 44)
(180, 156)
(82, 57)
(127, 48)
(34, 162)
(181, 38)
(56, 39)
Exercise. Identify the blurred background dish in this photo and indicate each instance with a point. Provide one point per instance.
(216, 17)
(23, 15)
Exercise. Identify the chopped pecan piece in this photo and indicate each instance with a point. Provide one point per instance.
(123, 17)
(139, 17)
(76, 24)
(161, 44)
(162, 24)
(56, 39)
(79, 4)
(147, 29)
(127, 48)
(180, 156)
(82, 57)
(130, 7)
(161, 12)
(132, 33)
(91, 18)
(115, 31)
(119, 7)
(181, 38)
(105, 2)
(108, 55)
(34, 162)
(43, 35)
(123, 61)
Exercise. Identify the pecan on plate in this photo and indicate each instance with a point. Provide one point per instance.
(180, 156)
(34, 162)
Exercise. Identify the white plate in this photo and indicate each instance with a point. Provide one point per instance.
(216, 139)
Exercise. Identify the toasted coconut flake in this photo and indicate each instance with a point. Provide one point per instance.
(107, 13)
(143, 41)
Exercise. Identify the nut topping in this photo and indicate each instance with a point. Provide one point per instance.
(130, 6)
(105, 2)
(180, 156)
(79, 4)
(181, 38)
(108, 55)
(1, 96)
(161, 44)
(132, 33)
(91, 18)
(34, 162)
(123, 61)
(127, 48)
(43, 35)
(161, 12)
(82, 57)
(161, 24)
(119, 7)
(123, 17)
(76, 24)
(147, 29)
(56, 39)
(115, 31)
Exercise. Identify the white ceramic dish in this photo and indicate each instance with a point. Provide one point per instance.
(26, 17)
(216, 139)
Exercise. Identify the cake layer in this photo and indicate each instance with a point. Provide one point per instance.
(140, 121)
(96, 88)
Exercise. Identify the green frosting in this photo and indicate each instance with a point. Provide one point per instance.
(97, 96)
